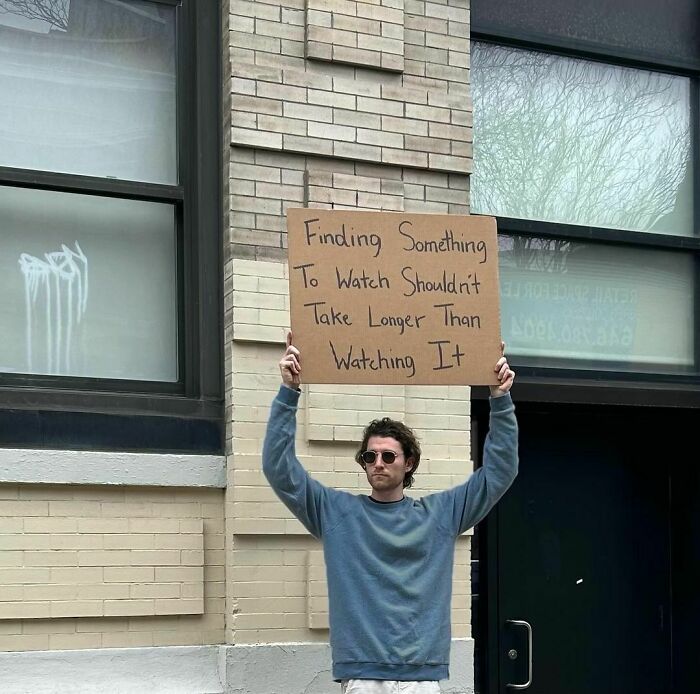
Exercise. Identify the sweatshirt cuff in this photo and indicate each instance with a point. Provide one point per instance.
(288, 396)
(502, 403)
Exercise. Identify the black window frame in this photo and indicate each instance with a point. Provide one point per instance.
(598, 385)
(115, 414)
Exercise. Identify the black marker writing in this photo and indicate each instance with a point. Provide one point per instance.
(330, 316)
(342, 238)
(447, 284)
(363, 281)
(447, 243)
(374, 361)
(453, 319)
(308, 281)
(402, 322)
(443, 355)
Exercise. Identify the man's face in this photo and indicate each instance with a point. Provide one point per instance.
(386, 477)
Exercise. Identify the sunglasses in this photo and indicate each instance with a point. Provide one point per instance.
(388, 457)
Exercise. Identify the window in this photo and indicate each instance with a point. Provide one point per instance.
(589, 167)
(109, 135)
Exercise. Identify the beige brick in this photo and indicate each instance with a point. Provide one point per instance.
(25, 610)
(77, 608)
(129, 607)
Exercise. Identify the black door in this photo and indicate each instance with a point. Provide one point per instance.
(583, 559)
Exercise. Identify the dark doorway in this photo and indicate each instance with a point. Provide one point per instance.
(587, 548)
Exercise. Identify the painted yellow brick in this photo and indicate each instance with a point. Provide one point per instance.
(181, 606)
(180, 574)
(73, 508)
(36, 592)
(48, 626)
(18, 509)
(105, 591)
(74, 641)
(129, 607)
(22, 642)
(130, 541)
(79, 575)
(129, 639)
(155, 525)
(13, 593)
(12, 525)
(164, 557)
(103, 525)
(154, 590)
(50, 558)
(25, 610)
(77, 608)
(186, 526)
(185, 542)
(196, 590)
(75, 541)
(131, 574)
(21, 541)
(104, 558)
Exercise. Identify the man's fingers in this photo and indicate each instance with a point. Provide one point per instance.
(289, 339)
(504, 371)
(291, 363)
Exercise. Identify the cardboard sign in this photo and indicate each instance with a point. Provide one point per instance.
(394, 298)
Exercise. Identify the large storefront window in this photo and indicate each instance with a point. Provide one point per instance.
(110, 223)
(566, 140)
(605, 151)
(88, 286)
(566, 299)
(89, 88)
(88, 257)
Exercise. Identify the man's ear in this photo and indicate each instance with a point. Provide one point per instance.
(409, 464)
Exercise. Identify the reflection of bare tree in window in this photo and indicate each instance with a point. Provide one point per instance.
(535, 253)
(562, 139)
(54, 12)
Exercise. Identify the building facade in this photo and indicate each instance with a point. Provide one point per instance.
(149, 151)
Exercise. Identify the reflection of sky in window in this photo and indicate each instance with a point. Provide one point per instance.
(12, 16)
(97, 98)
(580, 142)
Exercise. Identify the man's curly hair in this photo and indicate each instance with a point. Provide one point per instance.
(386, 427)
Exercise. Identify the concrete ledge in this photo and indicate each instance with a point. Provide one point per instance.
(32, 466)
(305, 668)
(287, 668)
(171, 670)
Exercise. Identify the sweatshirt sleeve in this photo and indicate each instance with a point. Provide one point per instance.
(298, 491)
(468, 503)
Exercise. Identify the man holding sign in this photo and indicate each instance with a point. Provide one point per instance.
(388, 557)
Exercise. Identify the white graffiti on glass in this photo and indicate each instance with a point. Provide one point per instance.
(56, 294)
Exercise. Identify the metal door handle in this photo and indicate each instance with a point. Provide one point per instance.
(522, 623)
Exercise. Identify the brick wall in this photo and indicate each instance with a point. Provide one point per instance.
(92, 567)
(275, 584)
(340, 104)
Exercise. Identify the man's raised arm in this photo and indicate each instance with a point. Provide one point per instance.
(297, 490)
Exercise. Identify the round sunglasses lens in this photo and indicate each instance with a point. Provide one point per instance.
(388, 457)
(368, 457)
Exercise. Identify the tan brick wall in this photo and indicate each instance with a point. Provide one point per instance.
(91, 567)
(265, 184)
(349, 104)
(367, 33)
(283, 99)
(273, 596)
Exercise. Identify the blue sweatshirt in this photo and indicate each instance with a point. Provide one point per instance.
(389, 565)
